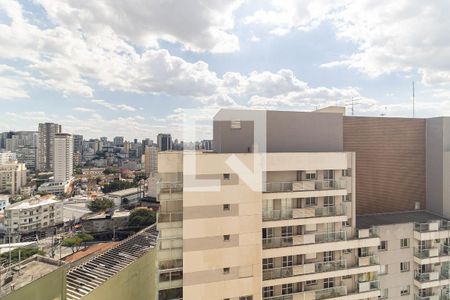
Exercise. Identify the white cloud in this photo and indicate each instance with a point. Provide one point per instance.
(113, 106)
(83, 109)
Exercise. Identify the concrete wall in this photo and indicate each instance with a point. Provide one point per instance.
(390, 162)
(135, 282)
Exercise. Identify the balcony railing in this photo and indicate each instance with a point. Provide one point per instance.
(367, 286)
(170, 187)
(305, 185)
(426, 276)
(334, 292)
(432, 226)
(430, 297)
(426, 253)
(296, 240)
(307, 212)
(319, 267)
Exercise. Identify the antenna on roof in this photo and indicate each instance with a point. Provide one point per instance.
(385, 112)
(413, 99)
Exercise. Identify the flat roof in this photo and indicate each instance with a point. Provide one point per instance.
(419, 216)
(84, 278)
(102, 215)
(35, 202)
(30, 270)
(125, 192)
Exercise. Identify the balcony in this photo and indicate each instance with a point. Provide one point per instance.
(305, 185)
(367, 286)
(426, 253)
(432, 226)
(307, 212)
(319, 267)
(427, 276)
(296, 240)
(170, 187)
(431, 297)
(329, 293)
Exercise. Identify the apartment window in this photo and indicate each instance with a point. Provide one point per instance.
(348, 198)
(347, 172)
(363, 252)
(226, 270)
(404, 266)
(287, 261)
(268, 291)
(346, 251)
(226, 207)
(311, 201)
(346, 223)
(286, 231)
(226, 237)
(383, 246)
(328, 201)
(235, 125)
(404, 290)
(287, 289)
(267, 233)
(383, 269)
(226, 176)
(328, 283)
(383, 294)
(328, 256)
(328, 174)
(246, 298)
(404, 243)
(310, 175)
(267, 263)
(311, 282)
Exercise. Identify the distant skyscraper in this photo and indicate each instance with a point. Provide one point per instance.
(151, 160)
(165, 142)
(118, 141)
(45, 153)
(78, 143)
(63, 163)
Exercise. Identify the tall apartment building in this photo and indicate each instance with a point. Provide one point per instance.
(262, 226)
(63, 161)
(164, 141)
(13, 176)
(118, 141)
(151, 160)
(45, 149)
(31, 215)
(6, 157)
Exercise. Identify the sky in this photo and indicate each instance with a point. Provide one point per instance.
(136, 68)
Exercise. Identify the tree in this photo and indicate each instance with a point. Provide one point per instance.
(73, 242)
(142, 217)
(117, 185)
(110, 170)
(100, 204)
(24, 254)
(85, 237)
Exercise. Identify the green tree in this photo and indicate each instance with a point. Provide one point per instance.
(85, 237)
(142, 217)
(110, 170)
(24, 254)
(100, 204)
(117, 185)
(72, 242)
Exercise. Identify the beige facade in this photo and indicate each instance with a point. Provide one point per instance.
(63, 157)
(262, 226)
(151, 160)
(13, 176)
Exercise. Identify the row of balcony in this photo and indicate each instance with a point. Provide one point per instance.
(304, 185)
(443, 250)
(328, 293)
(318, 267)
(432, 226)
(307, 212)
(431, 276)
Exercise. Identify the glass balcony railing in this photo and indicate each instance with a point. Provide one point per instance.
(426, 276)
(432, 226)
(296, 240)
(333, 292)
(306, 212)
(426, 253)
(170, 187)
(429, 297)
(319, 267)
(305, 185)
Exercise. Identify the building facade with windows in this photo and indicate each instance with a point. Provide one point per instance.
(274, 226)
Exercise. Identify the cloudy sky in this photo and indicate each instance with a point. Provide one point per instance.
(139, 67)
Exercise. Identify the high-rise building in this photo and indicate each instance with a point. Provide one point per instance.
(45, 149)
(63, 163)
(6, 157)
(165, 142)
(262, 226)
(78, 143)
(118, 141)
(151, 160)
(13, 176)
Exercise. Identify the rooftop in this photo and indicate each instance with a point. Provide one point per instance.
(103, 215)
(89, 251)
(419, 216)
(125, 192)
(31, 269)
(86, 277)
(34, 202)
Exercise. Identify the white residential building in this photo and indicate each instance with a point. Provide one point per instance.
(63, 162)
(34, 214)
(13, 176)
(6, 157)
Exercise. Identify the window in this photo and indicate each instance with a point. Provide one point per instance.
(404, 266)
(383, 294)
(226, 176)
(268, 291)
(328, 256)
(347, 172)
(311, 201)
(287, 289)
(311, 282)
(348, 198)
(310, 175)
(404, 243)
(267, 263)
(383, 270)
(235, 125)
(226, 270)
(383, 246)
(346, 223)
(226, 207)
(328, 283)
(267, 233)
(328, 201)
(246, 298)
(363, 252)
(226, 237)
(286, 231)
(404, 290)
(288, 261)
(328, 174)
(346, 251)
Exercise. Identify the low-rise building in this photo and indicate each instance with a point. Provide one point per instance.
(33, 214)
(4, 202)
(56, 188)
(126, 197)
(105, 221)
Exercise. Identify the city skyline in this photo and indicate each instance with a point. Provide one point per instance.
(143, 73)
